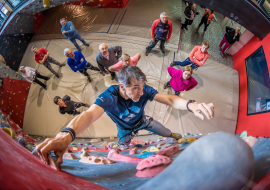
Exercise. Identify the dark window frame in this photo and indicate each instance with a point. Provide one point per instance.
(255, 52)
(17, 6)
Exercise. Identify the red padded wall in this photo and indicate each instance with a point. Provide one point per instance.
(254, 124)
(13, 96)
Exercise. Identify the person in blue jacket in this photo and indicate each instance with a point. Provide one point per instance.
(69, 31)
(77, 62)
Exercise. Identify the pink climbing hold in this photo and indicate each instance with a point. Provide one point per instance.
(152, 166)
(134, 142)
(115, 156)
(133, 151)
(169, 151)
(152, 142)
(165, 138)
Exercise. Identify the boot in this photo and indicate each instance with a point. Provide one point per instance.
(203, 33)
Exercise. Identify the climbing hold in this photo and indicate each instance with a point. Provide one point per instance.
(96, 160)
(111, 138)
(154, 149)
(182, 140)
(22, 142)
(161, 144)
(133, 151)
(94, 140)
(244, 134)
(144, 151)
(159, 137)
(138, 145)
(152, 166)
(9, 131)
(152, 142)
(115, 146)
(114, 155)
(135, 142)
(104, 144)
(191, 139)
(29, 147)
(169, 151)
(164, 138)
(111, 144)
(146, 155)
(75, 148)
(85, 153)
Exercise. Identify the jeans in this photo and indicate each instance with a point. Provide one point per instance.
(227, 44)
(186, 62)
(88, 66)
(38, 81)
(148, 124)
(78, 37)
(187, 22)
(175, 92)
(204, 21)
(153, 44)
(48, 65)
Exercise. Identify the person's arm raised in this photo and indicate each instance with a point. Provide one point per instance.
(181, 104)
(59, 144)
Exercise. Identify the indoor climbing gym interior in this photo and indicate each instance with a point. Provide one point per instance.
(134, 94)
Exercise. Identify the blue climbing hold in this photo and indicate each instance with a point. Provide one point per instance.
(22, 142)
(138, 145)
(146, 154)
(184, 143)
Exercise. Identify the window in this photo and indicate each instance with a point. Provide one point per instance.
(15, 3)
(258, 83)
(3, 14)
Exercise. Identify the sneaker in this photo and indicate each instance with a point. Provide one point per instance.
(165, 85)
(86, 45)
(89, 79)
(222, 54)
(176, 136)
(62, 65)
(87, 105)
(172, 64)
(147, 52)
(57, 75)
(177, 93)
(162, 50)
(112, 77)
(203, 33)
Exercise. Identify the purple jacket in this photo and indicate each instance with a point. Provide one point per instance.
(177, 82)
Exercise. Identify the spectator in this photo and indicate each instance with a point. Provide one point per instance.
(197, 56)
(206, 19)
(42, 57)
(108, 57)
(68, 106)
(31, 75)
(69, 31)
(190, 13)
(77, 62)
(126, 60)
(181, 80)
(161, 30)
(232, 35)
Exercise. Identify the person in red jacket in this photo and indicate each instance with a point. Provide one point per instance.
(42, 57)
(181, 80)
(161, 30)
(197, 56)
(206, 19)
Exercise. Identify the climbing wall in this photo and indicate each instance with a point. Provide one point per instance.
(12, 48)
(101, 3)
(13, 96)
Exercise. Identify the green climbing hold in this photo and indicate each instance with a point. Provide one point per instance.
(244, 134)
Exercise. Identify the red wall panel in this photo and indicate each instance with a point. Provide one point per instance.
(254, 124)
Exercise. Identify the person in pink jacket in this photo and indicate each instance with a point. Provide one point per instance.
(181, 79)
(197, 56)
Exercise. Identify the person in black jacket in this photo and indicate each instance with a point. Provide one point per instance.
(232, 35)
(190, 13)
(68, 106)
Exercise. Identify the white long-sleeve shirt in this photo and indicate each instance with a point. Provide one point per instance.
(29, 74)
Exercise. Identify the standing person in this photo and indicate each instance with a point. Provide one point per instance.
(68, 106)
(77, 62)
(108, 57)
(31, 76)
(161, 30)
(190, 13)
(181, 80)
(126, 61)
(197, 56)
(69, 31)
(206, 19)
(124, 104)
(231, 36)
(42, 57)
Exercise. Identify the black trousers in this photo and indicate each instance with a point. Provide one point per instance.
(77, 105)
(153, 44)
(204, 21)
(187, 22)
(89, 66)
(38, 81)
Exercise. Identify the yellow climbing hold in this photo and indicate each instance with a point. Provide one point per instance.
(200, 134)
(144, 151)
(160, 137)
(154, 149)
(182, 140)
(191, 139)
(75, 148)
(147, 141)
(115, 146)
